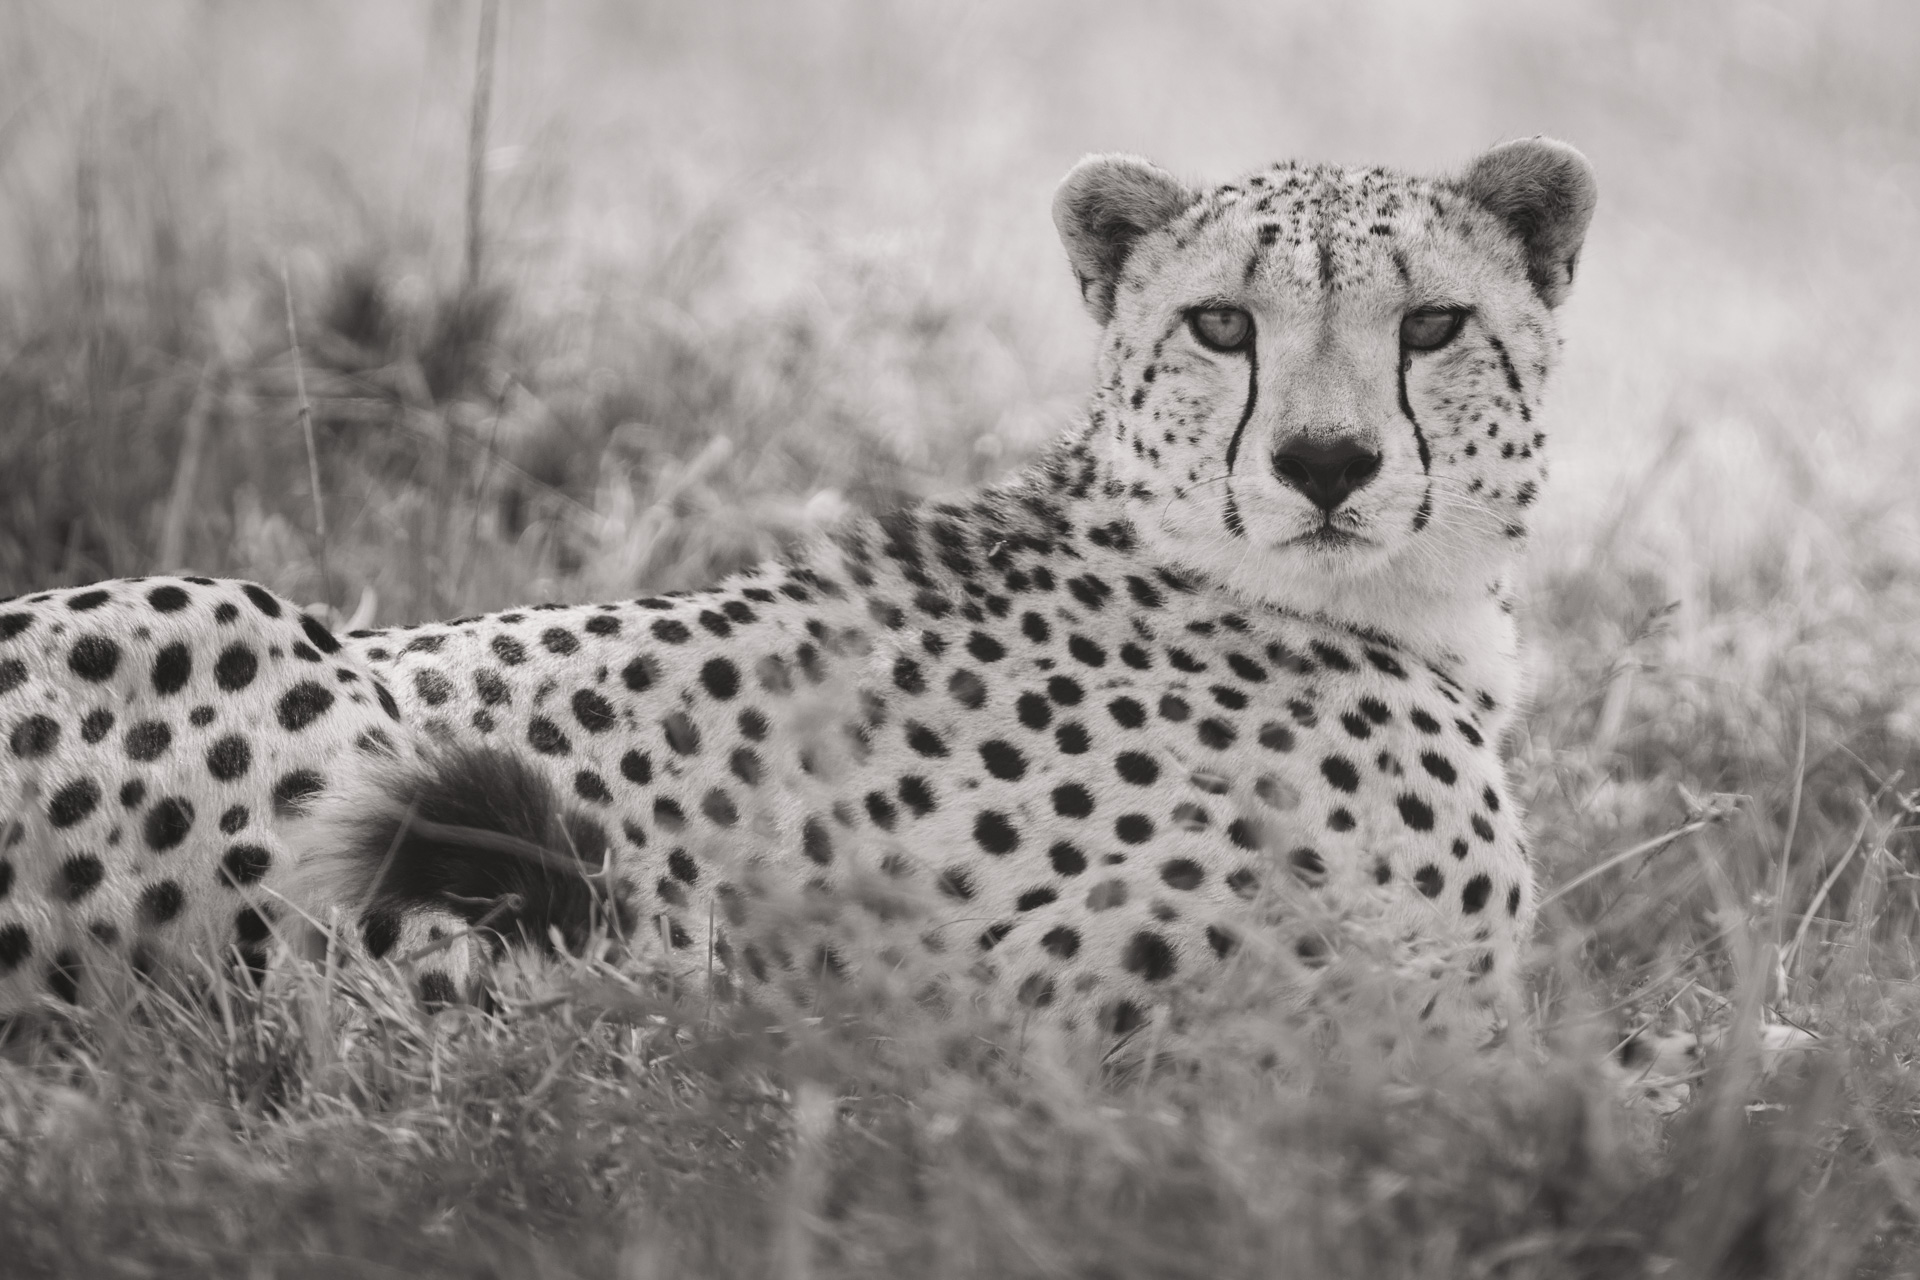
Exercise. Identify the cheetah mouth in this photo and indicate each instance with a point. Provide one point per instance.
(1328, 538)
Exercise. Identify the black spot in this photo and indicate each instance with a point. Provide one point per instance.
(1439, 766)
(1003, 759)
(1308, 865)
(235, 668)
(73, 802)
(1137, 767)
(96, 725)
(12, 624)
(244, 864)
(1085, 650)
(63, 977)
(301, 705)
(1416, 813)
(720, 678)
(167, 599)
(1127, 713)
(670, 631)
(1244, 882)
(133, 793)
(34, 736)
(967, 689)
(233, 820)
(508, 649)
(79, 876)
(434, 689)
(1246, 833)
(815, 842)
(261, 600)
(229, 758)
(88, 600)
(1474, 896)
(148, 740)
(1340, 773)
(681, 866)
(1071, 800)
(1035, 627)
(1276, 737)
(591, 787)
(13, 674)
(1215, 733)
(1148, 955)
(1067, 858)
(1133, 828)
(1121, 1017)
(719, 808)
(985, 648)
(1340, 820)
(1332, 657)
(907, 676)
(172, 667)
(995, 832)
(293, 790)
(637, 767)
(955, 883)
(1430, 881)
(917, 795)
(1490, 799)
(559, 641)
(168, 823)
(544, 736)
(1513, 901)
(94, 658)
(1071, 738)
(1482, 828)
(1468, 732)
(594, 712)
(1064, 690)
(1033, 899)
(925, 741)
(1182, 873)
(881, 810)
(16, 945)
(746, 766)
(1061, 941)
(1034, 711)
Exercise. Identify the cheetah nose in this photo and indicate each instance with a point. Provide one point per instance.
(1326, 473)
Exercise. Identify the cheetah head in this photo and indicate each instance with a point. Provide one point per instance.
(1319, 383)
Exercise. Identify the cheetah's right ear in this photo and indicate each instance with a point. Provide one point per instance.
(1105, 204)
(1544, 192)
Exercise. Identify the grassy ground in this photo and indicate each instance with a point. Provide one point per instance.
(741, 265)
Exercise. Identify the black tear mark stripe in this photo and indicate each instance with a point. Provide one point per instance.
(1246, 412)
(1419, 436)
(1506, 363)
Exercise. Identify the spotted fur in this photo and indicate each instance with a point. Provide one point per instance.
(1116, 717)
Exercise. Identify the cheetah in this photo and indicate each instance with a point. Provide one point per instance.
(1233, 658)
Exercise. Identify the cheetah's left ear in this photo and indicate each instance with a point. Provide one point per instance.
(1544, 192)
(1104, 205)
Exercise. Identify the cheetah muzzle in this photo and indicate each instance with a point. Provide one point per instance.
(1230, 661)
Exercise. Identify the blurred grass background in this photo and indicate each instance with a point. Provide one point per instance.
(746, 263)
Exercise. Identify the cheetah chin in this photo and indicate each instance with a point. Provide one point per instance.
(1226, 671)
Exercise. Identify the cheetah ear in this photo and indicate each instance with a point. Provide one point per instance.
(1544, 192)
(1104, 205)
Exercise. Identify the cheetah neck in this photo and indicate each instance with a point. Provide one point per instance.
(1461, 623)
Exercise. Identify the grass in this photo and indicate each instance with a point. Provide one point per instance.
(743, 266)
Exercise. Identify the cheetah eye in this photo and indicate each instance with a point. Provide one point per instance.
(1430, 328)
(1221, 328)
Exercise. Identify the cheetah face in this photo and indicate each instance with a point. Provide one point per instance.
(1317, 380)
